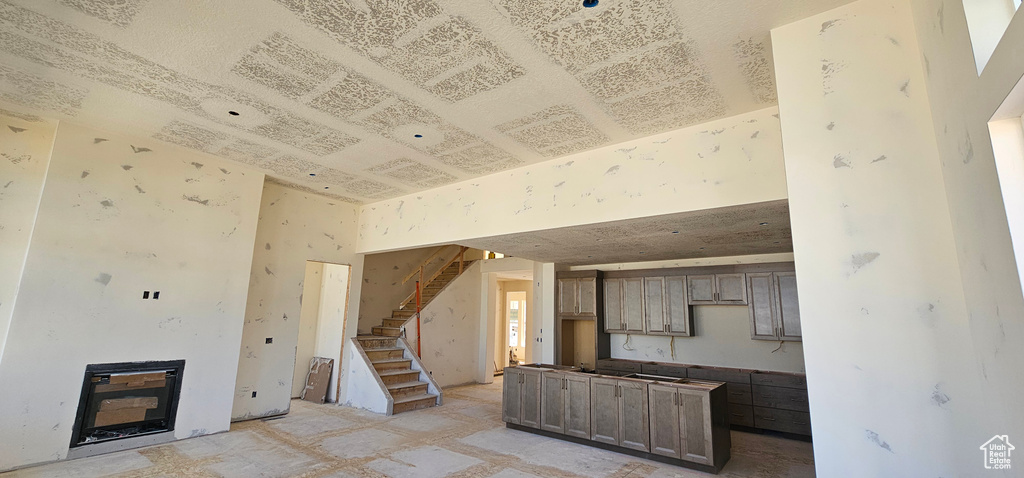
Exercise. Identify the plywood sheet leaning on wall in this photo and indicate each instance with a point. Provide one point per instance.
(318, 379)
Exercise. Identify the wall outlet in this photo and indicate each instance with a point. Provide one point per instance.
(270, 340)
(156, 295)
(253, 394)
(145, 294)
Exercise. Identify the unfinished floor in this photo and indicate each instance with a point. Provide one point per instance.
(463, 438)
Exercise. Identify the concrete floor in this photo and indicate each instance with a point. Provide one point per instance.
(463, 438)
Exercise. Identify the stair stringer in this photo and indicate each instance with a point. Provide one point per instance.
(432, 386)
(365, 388)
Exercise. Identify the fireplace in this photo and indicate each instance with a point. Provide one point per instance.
(124, 400)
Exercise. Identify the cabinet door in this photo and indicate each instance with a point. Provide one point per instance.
(587, 287)
(613, 305)
(678, 321)
(604, 410)
(654, 305)
(664, 412)
(568, 299)
(695, 426)
(577, 406)
(633, 305)
(761, 291)
(701, 289)
(531, 398)
(552, 405)
(512, 396)
(732, 289)
(787, 307)
(634, 421)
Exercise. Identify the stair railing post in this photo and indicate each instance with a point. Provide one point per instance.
(419, 330)
(462, 255)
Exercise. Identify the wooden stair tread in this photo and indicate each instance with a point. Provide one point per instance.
(396, 386)
(391, 360)
(415, 398)
(382, 349)
(385, 373)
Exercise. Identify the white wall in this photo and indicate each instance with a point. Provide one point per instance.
(24, 156)
(542, 327)
(892, 380)
(727, 162)
(382, 288)
(450, 330)
(147, 216)
(722, 339)
(331, 323)
(305, 348)
(961, 105)
(294, 227)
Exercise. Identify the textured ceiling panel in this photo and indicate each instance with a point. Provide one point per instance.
(761, 228)
(382, 97)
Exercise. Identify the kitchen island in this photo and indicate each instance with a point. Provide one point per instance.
(673, 420)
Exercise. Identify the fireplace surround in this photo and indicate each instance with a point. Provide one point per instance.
(125, 400)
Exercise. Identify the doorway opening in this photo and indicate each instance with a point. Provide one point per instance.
(514, 327)
(322, 323)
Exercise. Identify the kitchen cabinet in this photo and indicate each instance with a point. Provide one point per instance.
(613, 306)
(664, 411)
(665, 308)
(774, 309)
(522, 387)
(633, 305)
(565, 404)
(695, 423)
(654, 305)
(577, 297)
(619, 414)
(717, 289)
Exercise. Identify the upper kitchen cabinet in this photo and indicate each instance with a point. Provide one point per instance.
(577, 295)
(613, 306)
(717, 289)
(774, 310)
(665, 307)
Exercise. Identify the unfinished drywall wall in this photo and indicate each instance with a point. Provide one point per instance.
(309, 317)
(722, 338)
(294, 227)
(884, 322)
(382, 288)
(331, 323)
(25, 146)
(732, 161)
(450, 330)
(120, 215)
(961, 104)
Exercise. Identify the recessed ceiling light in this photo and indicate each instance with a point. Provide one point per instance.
(233, 113)
(589, 3)
(417, 136)
(642, 252)
(702, 248)
(764, 223)
(325, 187)
(675, 232)
(312, 174)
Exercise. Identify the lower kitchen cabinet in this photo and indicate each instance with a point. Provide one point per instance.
(565, 404)
(522, 385)
(788, 421)
(619, 413)
(683, 426)
(604, 410)
(664, 411)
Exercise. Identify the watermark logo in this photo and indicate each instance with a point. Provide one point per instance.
(997, 453)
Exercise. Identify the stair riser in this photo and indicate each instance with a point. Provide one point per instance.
(405, 392)
(381, 367)
(414, 405)
(403, 314)
(412, 376)
(384, 354)
(386, 332)
(394, 322)
(376, 343)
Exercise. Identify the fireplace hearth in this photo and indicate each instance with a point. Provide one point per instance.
(124, 400)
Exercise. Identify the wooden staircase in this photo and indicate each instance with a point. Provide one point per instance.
(395, 370)
(392, 327)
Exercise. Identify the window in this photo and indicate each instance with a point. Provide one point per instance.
(986, 22)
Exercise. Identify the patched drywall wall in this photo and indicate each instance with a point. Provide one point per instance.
(382, 288)
(120, 215)
(961, 105)
(309, 318)
(25, 146)
(294, 227)
(728, 162)
(885, 326)
(722, 338)
(450, 326)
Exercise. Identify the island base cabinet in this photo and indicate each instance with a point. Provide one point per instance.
(522, 401)
(577, 406)
(664, 412)
(634, 421)
(552, 405)
(695, 422)
(604, 410)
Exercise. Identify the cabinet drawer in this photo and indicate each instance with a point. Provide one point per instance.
(719, 375)
(778, 397)
(619, 365)
(777, 379)
(741, 415)
(739, 393)
(665, 370)
(782, 420)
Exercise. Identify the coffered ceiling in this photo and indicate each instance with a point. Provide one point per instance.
(760, 228)
(370, 99)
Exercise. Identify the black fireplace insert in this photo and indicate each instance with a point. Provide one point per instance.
(122, 400)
